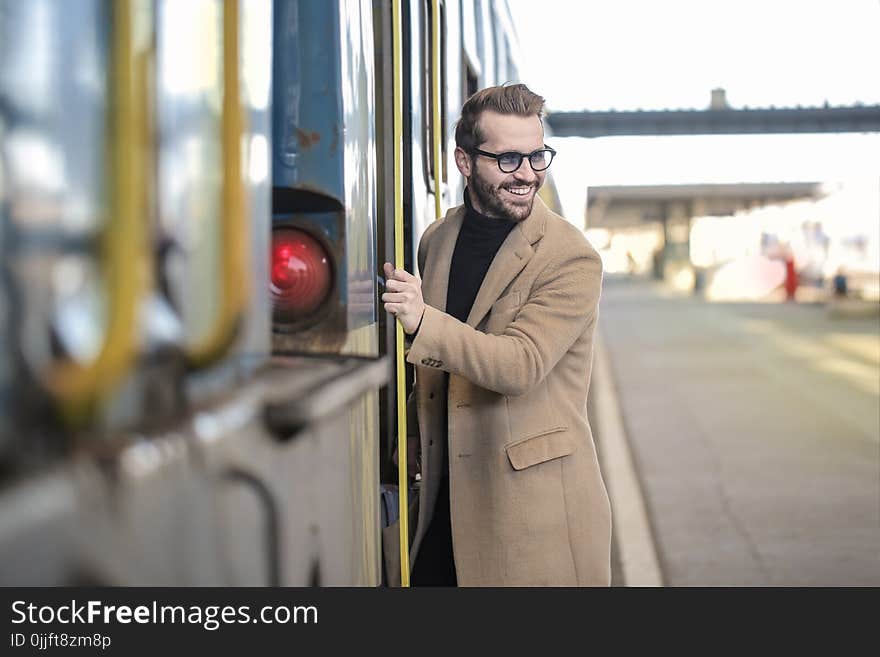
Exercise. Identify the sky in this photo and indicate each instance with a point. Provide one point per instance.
(632, 54)
(629, 54)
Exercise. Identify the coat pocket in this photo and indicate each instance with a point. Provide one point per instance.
(547, 445)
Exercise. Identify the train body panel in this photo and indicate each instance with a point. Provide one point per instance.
(195, 202)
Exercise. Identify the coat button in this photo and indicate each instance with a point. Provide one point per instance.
(431, 395)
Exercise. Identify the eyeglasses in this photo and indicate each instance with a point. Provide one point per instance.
(511, 160)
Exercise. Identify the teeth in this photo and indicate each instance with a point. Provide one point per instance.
(520, 191)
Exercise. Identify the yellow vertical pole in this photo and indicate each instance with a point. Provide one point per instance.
(402, 478)
(437, 132)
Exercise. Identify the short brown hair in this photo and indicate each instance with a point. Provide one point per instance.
(515, 99)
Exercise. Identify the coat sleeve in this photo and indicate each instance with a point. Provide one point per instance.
(561, 306)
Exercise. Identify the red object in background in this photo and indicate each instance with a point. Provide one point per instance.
(301, 274)
(791, 279)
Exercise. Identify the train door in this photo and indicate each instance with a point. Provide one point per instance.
(420, 179)
(324, 254)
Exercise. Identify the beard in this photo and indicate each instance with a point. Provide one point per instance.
(493, 201)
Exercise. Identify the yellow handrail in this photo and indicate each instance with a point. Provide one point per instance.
(233, 293)
(397, 101)
(123, 241)
(435, 109)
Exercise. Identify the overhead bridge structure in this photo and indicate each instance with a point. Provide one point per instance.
(724, 121)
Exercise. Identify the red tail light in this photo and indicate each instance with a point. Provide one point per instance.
(301, 274)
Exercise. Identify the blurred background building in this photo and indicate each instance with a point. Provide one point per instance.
(723, 159)
(676, 98)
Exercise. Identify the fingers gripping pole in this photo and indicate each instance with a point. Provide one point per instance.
(402, 483)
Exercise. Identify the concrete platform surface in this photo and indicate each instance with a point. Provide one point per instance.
(754, 433)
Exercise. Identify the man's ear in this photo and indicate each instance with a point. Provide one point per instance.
(463, 162)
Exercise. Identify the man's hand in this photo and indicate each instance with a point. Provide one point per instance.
(403, 297)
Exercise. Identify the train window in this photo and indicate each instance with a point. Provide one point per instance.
(443, 97)
(480, 28)
(428, 95)
(470, 80)
(488, 26)
(189, 114)
(55, 113)
(512, 72)
(471, 49)
(502, 71)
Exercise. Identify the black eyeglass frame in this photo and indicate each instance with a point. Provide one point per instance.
(522, 156)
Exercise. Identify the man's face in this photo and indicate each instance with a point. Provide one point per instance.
(493, 192)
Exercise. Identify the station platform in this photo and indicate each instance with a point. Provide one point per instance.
(740, 442)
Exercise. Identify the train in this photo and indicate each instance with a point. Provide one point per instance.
(197, 384)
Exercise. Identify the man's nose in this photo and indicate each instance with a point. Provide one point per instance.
(525, 173)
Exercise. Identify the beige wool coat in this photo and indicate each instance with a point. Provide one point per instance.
(528, 503)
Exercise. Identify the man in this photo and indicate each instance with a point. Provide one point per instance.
(511, 492)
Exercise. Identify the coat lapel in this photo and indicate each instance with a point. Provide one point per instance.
(512, 257)
(439, 259)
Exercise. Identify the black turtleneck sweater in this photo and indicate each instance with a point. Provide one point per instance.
(478, 241)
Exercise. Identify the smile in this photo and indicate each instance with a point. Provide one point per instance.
(520, 191)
